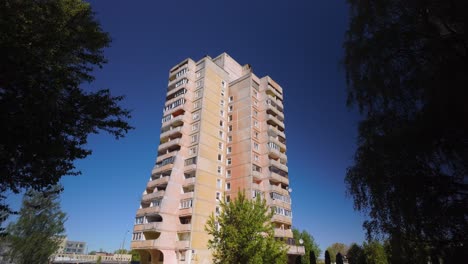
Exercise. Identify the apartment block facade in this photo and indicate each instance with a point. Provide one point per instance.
(222, 131)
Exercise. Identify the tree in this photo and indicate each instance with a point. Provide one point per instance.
(374, 253)
(48, 49)
(39, 230)
(355, 254)
(243, 233)
(327, 257)
(99, 260)
(336, 248)
(310, 246)
(135, 255)
(312, 258)
(339, 258)
(406, 65)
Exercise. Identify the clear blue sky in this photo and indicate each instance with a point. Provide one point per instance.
(297, 43)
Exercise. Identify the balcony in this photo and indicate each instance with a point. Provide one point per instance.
(184, 227)
(272, 120)
(278, 165)
(274, 92)
(281, 219)
(156, 226)
(151, 196)
(275, 153)
(278, 178)
(158, 169)
(168, 155)
(273, 131)
(186, 195)
(148, 211)
(169, 144)
(273, 108)
(277, 101)
(283, 233)
(257, 176)
(190, 164)
(279, 189)
(158, 182)
(280, 203)
(296, 250)
(185, 211)
(174, 86)
(189, 181)
(172, 132)
(183, 244)
(177, 120)
(277, 141)
(142, 244)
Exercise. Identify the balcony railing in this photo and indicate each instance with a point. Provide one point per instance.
(278, 178)
(151, 196)
(275, 131)
(169, 144)
(170, 132)
(296, 250)
(148, 210)
(157, 182)
(283, 233)
(184, 227)
(158, 169)
(274, 120)
(279, 190)
(183, 244)
(278, 165)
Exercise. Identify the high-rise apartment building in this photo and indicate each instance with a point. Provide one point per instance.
(222, 131)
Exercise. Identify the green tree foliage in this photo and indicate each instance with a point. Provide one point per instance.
(37, 233)
(312, 249)
(374, 253)
(406, 66)
(49, 48)
(135, 255)
(336, 248)
(327, 257)
(313, 257)
(339, 258)
(243, 233)
(355, 254)
(99, 260)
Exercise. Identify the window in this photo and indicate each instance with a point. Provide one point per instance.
(181, 82)
(229, 161)
(156, 203)
(222, 93)
(255, 113)
(220, 157)
(255, 94)
(220, 146)
(256, 158)
(256, 134)
(221, 134)
(255, 102)
(220, 170)
(199, 83)
(139, 220)
(219, 183)
(228, 198)
(194, 138)
(196, 115)
(221, 113)
(197, 104)
(255, 123)
(230, 108)
(255, 145)
(187, 203)
(231, 98)
(228, 186)
(221, 103)
(218, 196)
(229, 150)
(198, 94)
(198, 74)
(229, 138)
(137, 236)
(230, 118)
(223, 84)
(229, 128)
(228, 174)
(182, 255)
(195, 126)
(218, 210)
(193, 151)
(221, 123)
(181, 72)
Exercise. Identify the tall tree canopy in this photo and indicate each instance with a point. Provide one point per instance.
(48, 48)
(243, 233)
(407, 71)
(39, 230)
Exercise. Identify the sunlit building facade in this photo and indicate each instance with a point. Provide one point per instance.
(222, 131)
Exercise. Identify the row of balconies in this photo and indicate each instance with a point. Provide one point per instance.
(272, 91)
(158, 243)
